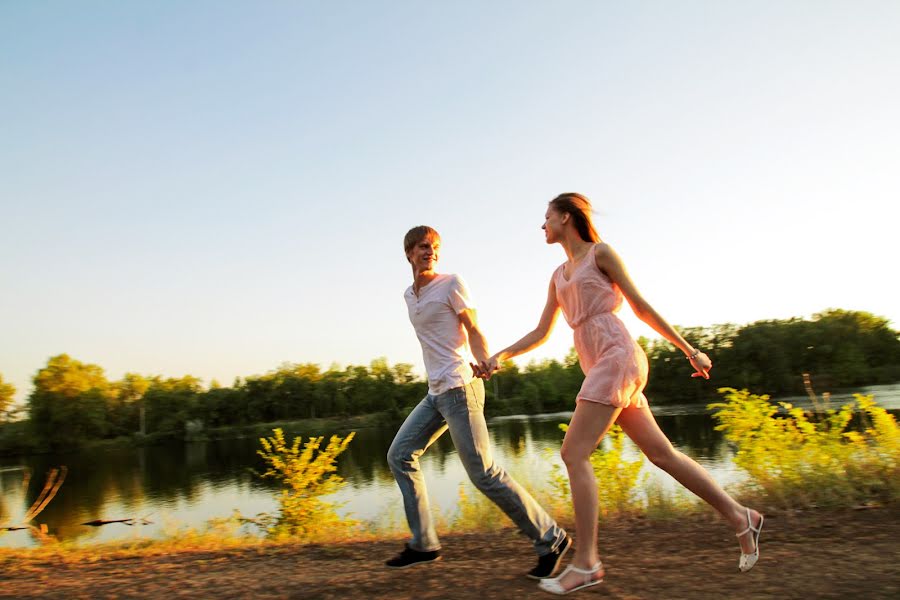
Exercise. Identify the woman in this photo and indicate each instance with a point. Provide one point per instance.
(589, 288)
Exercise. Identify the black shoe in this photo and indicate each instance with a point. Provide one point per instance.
(410, 557)
(548, 563)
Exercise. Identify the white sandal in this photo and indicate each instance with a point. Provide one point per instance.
(748, 560)
(555, 587)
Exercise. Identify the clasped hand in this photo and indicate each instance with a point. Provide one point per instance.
(485, 368)
(702, 364)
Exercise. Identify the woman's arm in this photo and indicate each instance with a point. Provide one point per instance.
(609, 262)
(530, 340)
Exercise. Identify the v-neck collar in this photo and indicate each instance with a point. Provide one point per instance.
(575, 265)
(418, 295)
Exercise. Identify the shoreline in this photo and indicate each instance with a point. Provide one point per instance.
(338, 425)
(304, 427)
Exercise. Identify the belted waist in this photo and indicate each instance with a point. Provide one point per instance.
(576, 325)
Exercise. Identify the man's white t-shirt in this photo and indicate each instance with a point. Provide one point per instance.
(434, 315)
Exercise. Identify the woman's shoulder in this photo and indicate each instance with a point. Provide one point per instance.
(603, 253)
(602, 249)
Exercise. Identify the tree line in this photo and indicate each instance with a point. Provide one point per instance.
(73, 402)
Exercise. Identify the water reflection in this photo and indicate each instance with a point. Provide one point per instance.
(188, 484)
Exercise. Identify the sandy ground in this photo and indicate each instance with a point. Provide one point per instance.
(813, 554)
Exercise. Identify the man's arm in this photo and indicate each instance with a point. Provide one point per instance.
(477, 342)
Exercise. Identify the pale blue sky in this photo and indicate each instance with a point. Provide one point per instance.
(214, 188)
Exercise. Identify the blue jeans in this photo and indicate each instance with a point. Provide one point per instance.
(461, 410)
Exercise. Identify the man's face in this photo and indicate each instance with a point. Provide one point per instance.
(424, 255)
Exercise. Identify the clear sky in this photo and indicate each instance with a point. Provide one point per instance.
(215, 188)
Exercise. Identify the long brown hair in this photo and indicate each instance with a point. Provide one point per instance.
(580, 208)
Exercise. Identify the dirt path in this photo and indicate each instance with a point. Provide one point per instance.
(847, 554)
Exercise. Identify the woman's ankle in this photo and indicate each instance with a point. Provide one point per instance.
(586, 563)
(739, 518)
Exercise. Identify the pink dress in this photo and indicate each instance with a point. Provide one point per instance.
(615, 367)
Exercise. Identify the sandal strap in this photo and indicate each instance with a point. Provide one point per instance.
(590, 571)
(750, 526)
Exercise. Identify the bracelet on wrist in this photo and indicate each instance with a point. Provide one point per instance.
(694, 355)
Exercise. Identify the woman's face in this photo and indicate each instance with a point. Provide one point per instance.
(424, 255)
(553, 225)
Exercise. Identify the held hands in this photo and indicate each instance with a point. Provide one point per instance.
(485, 369)
(702, 364)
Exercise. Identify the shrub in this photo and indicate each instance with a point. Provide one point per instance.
(617, 478)
(306, 475)
(797, 458)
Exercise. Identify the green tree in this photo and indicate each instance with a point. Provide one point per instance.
(299, 390)
(124, 404)
(853, 347)
(361, 390)
(69, 402)
(7, 393)
(169, 403)
(331, 393)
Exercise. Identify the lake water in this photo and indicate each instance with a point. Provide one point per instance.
(184, 485)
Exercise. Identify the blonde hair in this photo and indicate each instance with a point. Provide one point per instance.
(416, 235)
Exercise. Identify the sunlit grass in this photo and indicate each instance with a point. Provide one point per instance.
(475, 512)
(661, 504)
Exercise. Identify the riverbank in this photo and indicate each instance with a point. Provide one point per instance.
(16, 440)
(810, 554)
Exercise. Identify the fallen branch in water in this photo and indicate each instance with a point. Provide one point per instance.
(129, 522)
(55, 480)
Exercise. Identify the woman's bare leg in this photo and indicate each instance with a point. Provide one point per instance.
(640, 425)
(589, 424)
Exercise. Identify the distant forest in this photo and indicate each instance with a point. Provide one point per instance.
(73, 402)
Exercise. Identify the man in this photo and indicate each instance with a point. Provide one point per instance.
(443, 316)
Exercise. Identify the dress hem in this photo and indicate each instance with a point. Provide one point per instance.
(639, 403)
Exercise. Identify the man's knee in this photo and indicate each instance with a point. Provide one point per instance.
(400, 458)
(397, 460)
(486, 478)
